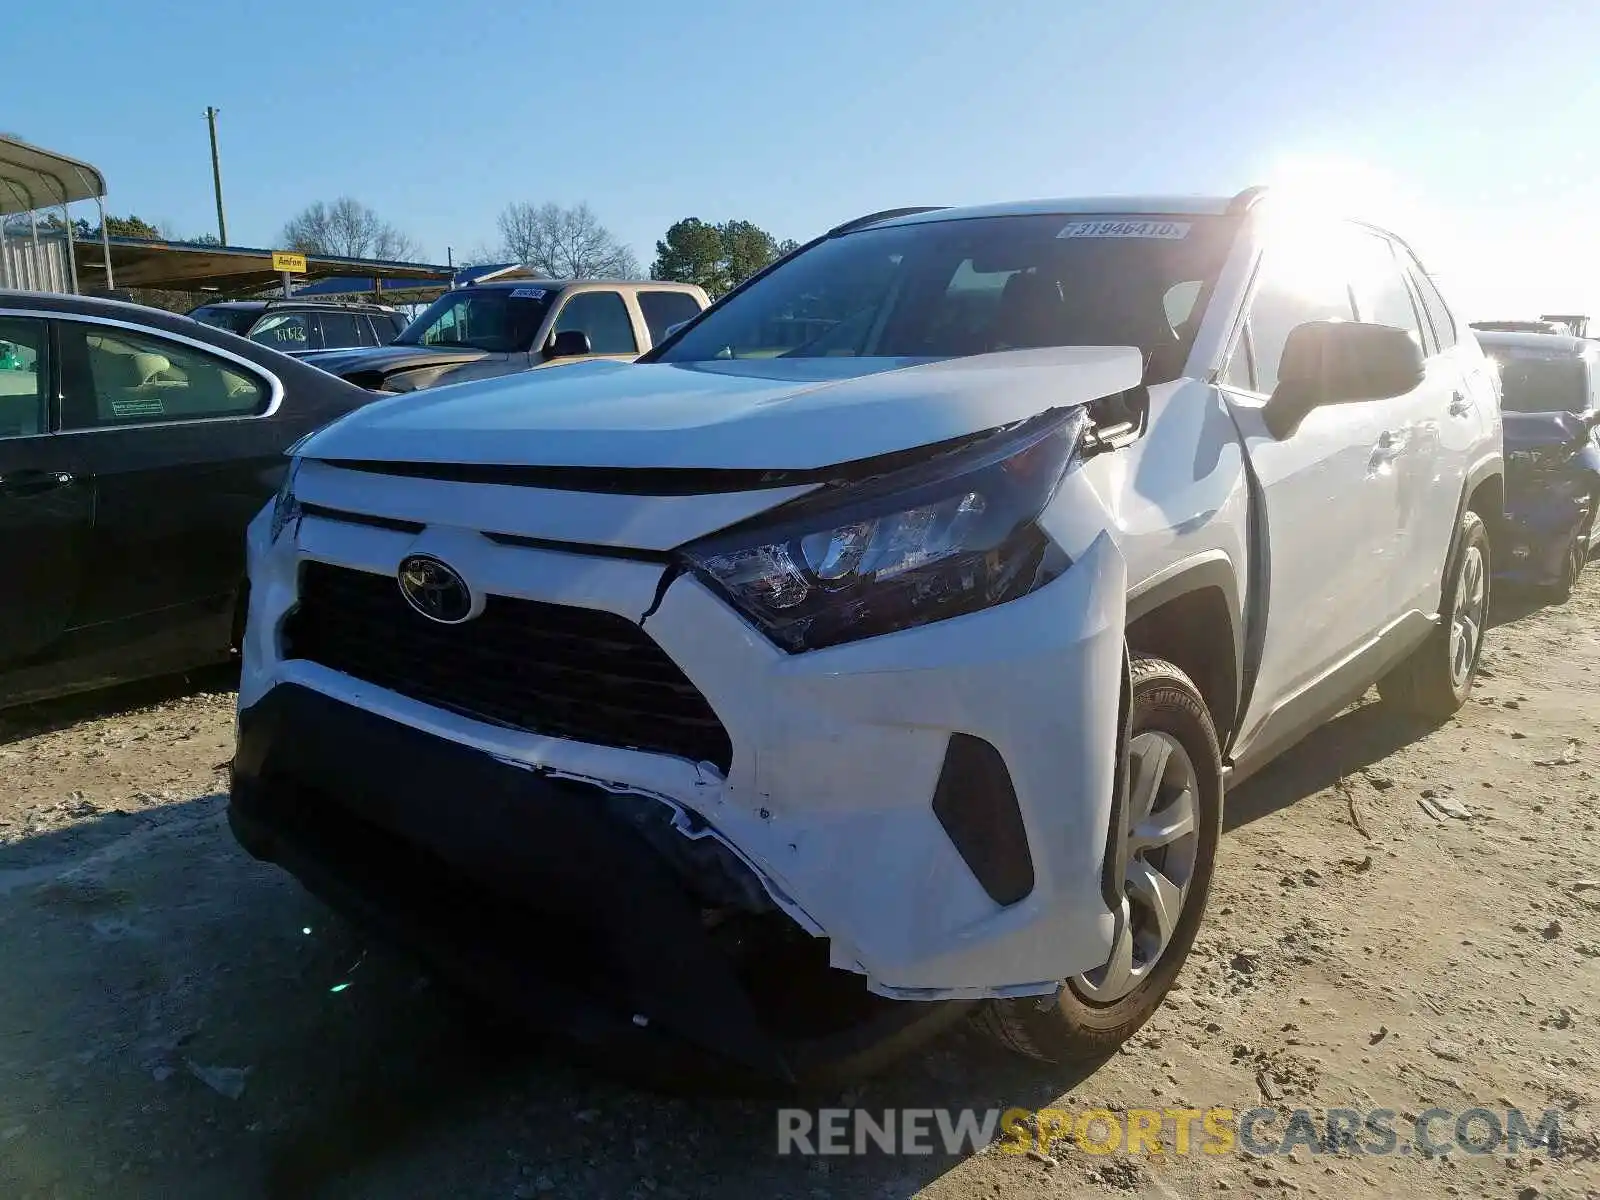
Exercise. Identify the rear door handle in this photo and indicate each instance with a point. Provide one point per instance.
(33, 482)
(1460, 406)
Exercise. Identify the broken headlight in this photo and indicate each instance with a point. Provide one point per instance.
(948, 536)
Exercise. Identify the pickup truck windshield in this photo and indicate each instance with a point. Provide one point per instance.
(945, 289)
(499, 320)
(1529, 384)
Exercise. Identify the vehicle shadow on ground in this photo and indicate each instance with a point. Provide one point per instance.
(1357, 738)
(49, 716)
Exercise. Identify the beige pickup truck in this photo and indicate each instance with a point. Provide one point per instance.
(508, 325)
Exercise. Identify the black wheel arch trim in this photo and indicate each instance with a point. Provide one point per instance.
(1490, 466)
(1207, 569)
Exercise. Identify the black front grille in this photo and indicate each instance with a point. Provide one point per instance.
(546, 668)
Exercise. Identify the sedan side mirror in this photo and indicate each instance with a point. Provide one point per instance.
(1340, 362)
(569, 343)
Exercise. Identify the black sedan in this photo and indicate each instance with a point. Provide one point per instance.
(135, 446)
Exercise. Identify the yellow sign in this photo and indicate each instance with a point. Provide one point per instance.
(288, 260)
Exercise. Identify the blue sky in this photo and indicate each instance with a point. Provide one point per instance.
(1469, 124)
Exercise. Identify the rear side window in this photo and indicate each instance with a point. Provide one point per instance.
(663, 310)
(339, 330)
(377, 329)
(24, 377)
(1439, 314)
(288, 332)
(604, 317)
(125, 378)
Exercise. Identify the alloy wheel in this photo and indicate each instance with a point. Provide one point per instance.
(1466, 622)
(1160, 851)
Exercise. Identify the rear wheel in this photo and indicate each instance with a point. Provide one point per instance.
(1435, 680)
(1174, 821)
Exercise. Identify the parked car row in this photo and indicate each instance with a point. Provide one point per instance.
(501, 327)
(300, 326)
(867, 651)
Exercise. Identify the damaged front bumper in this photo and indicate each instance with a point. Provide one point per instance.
(930, 807)
(537, 894)
(1540, 530)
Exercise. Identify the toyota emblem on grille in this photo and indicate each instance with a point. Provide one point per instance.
(435, 590)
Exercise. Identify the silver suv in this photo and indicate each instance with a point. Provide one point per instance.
(878, 648)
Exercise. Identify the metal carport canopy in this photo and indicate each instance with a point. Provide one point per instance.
(32, 178)
(195, 266)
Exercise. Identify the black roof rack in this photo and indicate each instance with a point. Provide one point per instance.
(886, 215)
(319, 302)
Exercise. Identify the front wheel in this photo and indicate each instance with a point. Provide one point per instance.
(1577, 558)
(1435, 680)
(1174, 821)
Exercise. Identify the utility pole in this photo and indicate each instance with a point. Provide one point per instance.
(216, 176)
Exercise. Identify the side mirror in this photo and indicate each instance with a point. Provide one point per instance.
(569, 343)
(1340, 362)
(672, 329)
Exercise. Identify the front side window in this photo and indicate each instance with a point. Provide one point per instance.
(499, 320)
(604, 317)
(663, 310)
(943, 289)
(289, 332)
(1304, 278)
(24, 377)
(126, 378)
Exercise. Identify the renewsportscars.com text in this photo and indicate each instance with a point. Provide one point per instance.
(1161, 1131)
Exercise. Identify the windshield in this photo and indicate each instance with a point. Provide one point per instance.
(946, 289)
(234, 320)
(1543, 384)
(500, 320)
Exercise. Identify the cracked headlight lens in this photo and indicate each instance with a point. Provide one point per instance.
(951, 535)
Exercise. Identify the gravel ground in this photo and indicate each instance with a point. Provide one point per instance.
(1403, 919)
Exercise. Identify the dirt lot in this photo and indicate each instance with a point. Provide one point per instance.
(178, 1021)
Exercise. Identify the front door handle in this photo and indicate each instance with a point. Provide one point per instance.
(1460, 406)
(1387, 449)
(33, 482)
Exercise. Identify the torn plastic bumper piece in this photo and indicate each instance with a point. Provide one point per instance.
(535, 893)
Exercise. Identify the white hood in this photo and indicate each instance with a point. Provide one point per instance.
(754, 414)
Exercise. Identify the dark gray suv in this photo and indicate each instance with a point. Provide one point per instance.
(300, 326)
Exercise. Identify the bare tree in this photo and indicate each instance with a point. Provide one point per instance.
(564, 243)
(347, 228)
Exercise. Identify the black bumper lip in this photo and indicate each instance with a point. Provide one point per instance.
(525, 889)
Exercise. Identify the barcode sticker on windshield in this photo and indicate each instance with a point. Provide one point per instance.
(1164, 230)
(528, 294)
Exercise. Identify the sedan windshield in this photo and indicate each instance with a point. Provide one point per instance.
(499, 320)
(234, 320)
(1544, 384)
(946, 289)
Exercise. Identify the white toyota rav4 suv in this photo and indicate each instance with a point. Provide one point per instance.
(879, 647)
